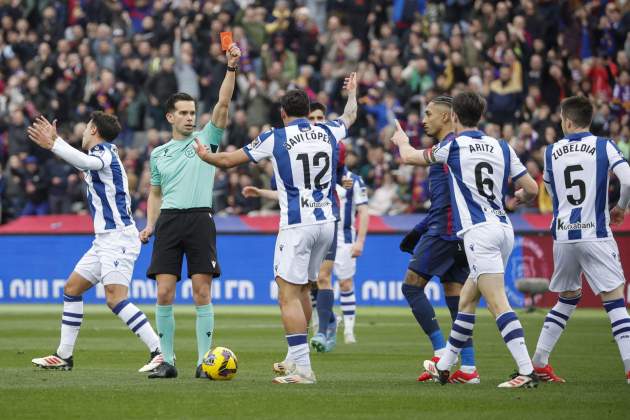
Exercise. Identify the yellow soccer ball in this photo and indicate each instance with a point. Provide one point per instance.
(220, 364)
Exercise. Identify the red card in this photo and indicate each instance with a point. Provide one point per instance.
(226, 40)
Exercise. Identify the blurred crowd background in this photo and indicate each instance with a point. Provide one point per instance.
(64, 59)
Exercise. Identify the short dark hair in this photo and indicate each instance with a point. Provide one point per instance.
(443, 100)
(578, 109)
(296, 103)
(318, 105)
(176, 97)
(469, 107)
(107, 125)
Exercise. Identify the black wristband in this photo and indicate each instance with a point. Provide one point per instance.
(232, 68)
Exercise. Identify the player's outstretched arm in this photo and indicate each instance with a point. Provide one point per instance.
(250, 191)
(349, 115)
(364, 221)
(220, 112)
(44, 134)
(221, 160)
(408, 154)
(527, 189)
(154, 202)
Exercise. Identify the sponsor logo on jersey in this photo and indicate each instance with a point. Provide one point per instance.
(305, 202)
(574, 226)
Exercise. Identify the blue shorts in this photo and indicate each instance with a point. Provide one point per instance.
(332, 251)
(435, 256)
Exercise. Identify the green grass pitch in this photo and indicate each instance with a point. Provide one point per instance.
(375, 378)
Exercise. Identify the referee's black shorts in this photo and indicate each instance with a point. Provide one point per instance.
(185, 231)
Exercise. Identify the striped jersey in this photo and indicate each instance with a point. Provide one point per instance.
(349, 200)
(304, 157)
(479, 169)
(576, 174)
(108, 191)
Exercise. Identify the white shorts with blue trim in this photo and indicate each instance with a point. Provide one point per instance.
(488, 247)
(345, 266)
(598, 260)
(300, 252)
(111, 258)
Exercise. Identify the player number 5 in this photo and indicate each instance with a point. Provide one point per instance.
(570, 183)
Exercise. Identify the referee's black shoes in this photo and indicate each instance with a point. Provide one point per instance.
(164, 370)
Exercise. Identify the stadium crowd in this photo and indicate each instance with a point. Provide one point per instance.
(65, 59)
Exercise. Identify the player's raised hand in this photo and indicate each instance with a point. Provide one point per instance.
(42, 132)
(350, 83)
(233, 55)
(400, 137)
(251, 191)
(617, 214)
(145, 234)
(202, 150)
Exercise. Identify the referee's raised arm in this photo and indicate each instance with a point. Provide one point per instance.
(220, 112)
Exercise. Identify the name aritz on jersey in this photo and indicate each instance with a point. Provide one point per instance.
(573, 147)
(574, 226)
(481, 147)
(304, 136)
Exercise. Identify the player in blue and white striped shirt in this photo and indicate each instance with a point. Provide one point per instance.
(304, 158)
(116, 247)
(480, 168)
(576, 175)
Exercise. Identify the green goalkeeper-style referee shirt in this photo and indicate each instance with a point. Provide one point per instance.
(186, 180)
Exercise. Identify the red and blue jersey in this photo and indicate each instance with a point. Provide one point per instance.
(439, 220)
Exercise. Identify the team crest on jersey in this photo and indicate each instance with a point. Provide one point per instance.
(98, 150)
(254, 144)
(189, 152)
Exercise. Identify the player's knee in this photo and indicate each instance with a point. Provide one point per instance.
(414, 279)
(452, 289)
(345, 285)
(571, 294)
(71, 289)
(165, 295)
(201, 296)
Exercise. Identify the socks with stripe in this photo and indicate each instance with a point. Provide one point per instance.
(325, 302)
(460, 334)
(205, 328)
(165, 324)
(138, 323)
(425, 315)
(620, 322)
(468, 352)
(552, 329)
(348, 304)
(298, 351)
(70, 324)
(512, 332)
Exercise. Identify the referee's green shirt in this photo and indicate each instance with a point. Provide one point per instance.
(186, 180)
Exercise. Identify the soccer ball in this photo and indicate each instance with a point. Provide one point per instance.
(219, 364)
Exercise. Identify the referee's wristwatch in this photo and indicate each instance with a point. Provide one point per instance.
(232, 68)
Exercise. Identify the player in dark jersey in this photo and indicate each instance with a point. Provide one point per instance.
(437, 251)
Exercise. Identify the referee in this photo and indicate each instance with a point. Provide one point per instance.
(179, 213)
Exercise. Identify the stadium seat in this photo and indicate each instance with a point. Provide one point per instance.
(532, 286)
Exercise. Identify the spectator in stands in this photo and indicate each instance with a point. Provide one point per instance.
(35, 185)
(127, 57)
